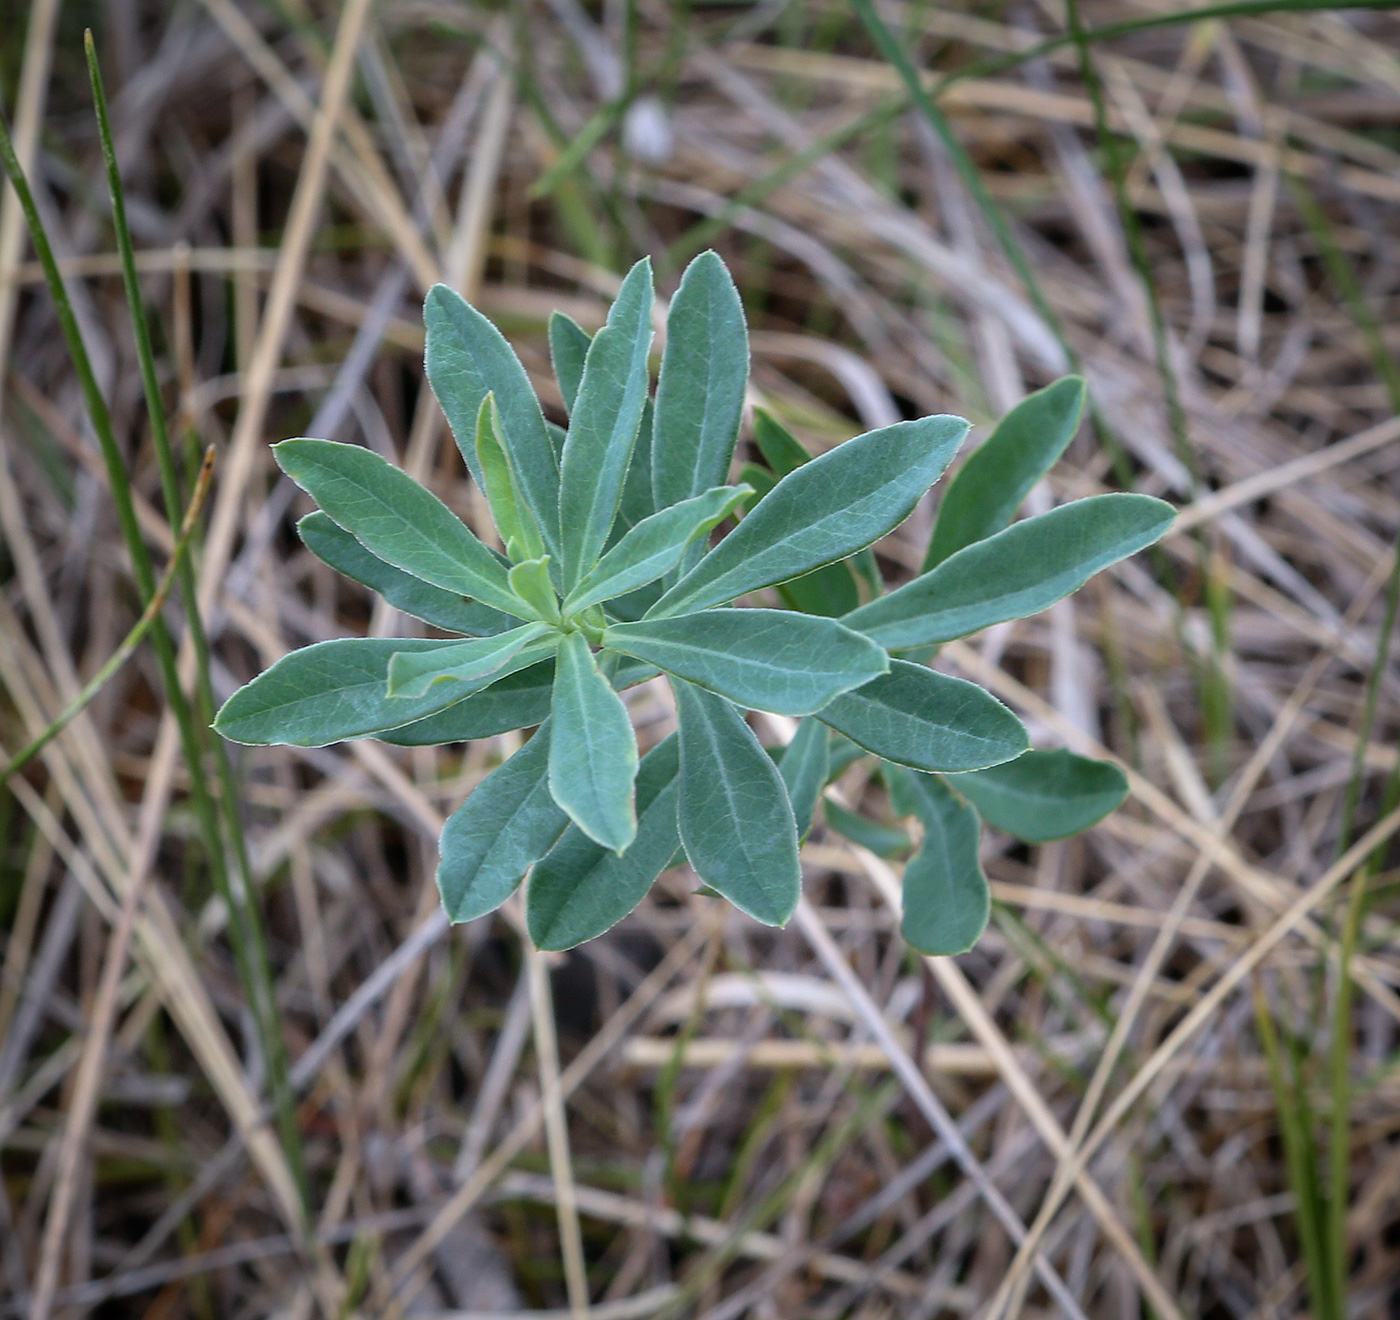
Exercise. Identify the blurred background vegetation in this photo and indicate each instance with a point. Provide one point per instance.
(245, 1071)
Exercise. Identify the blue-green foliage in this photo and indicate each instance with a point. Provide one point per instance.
(610, 578)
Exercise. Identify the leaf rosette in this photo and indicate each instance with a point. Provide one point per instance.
(613, 574)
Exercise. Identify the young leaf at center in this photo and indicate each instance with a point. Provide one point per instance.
(603, 426)
(412, 673)
(510, 512)
(593, 753)
(466, 357)
(654, 546)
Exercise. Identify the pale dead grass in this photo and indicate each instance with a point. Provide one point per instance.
(705, 1118)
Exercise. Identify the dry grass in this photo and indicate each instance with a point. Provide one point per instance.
(707, 1118)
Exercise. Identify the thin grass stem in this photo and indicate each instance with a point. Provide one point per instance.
(245, 925)
(131, 641)
(1297, 1149)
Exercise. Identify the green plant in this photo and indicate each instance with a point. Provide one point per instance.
(608, 580)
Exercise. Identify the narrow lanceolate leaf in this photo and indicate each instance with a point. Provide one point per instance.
(887, 841)
(636, 502)
(603, 425)
(653, 547)
(771, 660)
(735, 818)
(804, 769)
(466, 358)
(333, 691)
(593, 756)
(760, 478)
(531, 583)
(393, 517)
(413, 673)
(1044, 795)
(507, 824)
(511, 513)
(830, 590)
(1020, 571)
(781, 450)
(917, 717)
(581, 889)
(333, 545)
(568, 346)
(946, 900)
(514, 701)
(700, 392)
(988, 489)
(827, 509)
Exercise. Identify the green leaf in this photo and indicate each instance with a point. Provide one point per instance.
(946, 900)
(700, 392)
(735, 819)
(887, 841)
(530, 581)
(333, 691)
(593, 758)
(394, 518)
(467, 357)
(603, 426)
(927, 720)
(555, 434)
(804, 769)
(568, 347)
(580, 889)
(841, 755)
(988, 489)
(827, 509)
(514, 701)
(653, 547)
(765, 659)
(635, 604)
(1018, 572)
(781, 450)
(512, 515)
(636, 502)
(760, 478)
(507, 824)
(333, 545)
(413, 673)
(830, 591)
(1044, 795)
